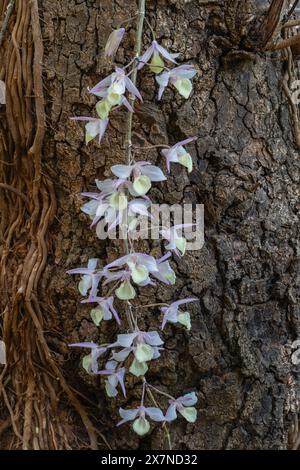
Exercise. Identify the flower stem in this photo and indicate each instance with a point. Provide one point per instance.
(128, 142)
(137, 52)
(164, 426)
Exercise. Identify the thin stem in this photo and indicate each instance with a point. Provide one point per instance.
(127, 20)
(164, 426)
(152, 305)
(160, 391)
(128, 143)
(137, 51)
(165, 146)
(151, 29)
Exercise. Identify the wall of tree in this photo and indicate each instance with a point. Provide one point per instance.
(247, 171)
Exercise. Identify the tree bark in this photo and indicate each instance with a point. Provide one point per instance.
(237, 356)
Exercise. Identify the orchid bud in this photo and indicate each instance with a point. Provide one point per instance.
(113, 42)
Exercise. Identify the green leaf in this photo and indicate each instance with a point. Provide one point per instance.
(139, 273)
(184, 87)
(138, 368)
(185, 319)
(181, 244)
(141, 185)
(125, 291)
(87, 362)
(103, 108)
(97, 315)
(141, 426)
(189, 413)
(143, 352)
(157, 64)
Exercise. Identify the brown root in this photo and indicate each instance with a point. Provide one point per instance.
(32, 381)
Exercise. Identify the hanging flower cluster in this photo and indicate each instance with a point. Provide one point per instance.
(117, 203)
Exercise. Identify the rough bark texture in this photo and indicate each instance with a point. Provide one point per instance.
(237, 355)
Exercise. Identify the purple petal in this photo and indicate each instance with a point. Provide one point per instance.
(165, 53)
(132, 88)
(153, 172)
(125, 340)
(120, 375)
(171, 414)
(126, 103)
(106, 82)
(186, 141)
(127, 415)
(146, 57)
(122, 171)
(90, 345)
(190, 399)
(183, 301)
(102, 128)
(155, 414)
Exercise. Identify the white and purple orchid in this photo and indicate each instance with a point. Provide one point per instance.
(179, 77)
(140, 266)
(120, 82)
(177, 243)
(113, 42)
(172, 313)
(165, 273)
(154, 52)
(178, 154)
(145, 346)
(115, 376)
(104, 311)
(143, 174)
(184, 406)
(93, 127)
(138, 415)
(90, 279)
(123, 203)
(90, 362)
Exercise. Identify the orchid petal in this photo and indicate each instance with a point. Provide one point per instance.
(153, 172)
(132, 88)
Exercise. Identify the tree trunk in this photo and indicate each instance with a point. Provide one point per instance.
(237, 356)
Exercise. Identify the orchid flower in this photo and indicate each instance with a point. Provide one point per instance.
(165, 273)
(113, 42)
(155, 51)
(176, 242)
(143, 173)
(121, 83)
(184, 405)
(178, 154)
(112, 90)
(93, 127)
(172, 313)
(90, 362)
(145, 347)
(104, 311)
(90, 278)
(138, 415)
(115, 377)
(140, 265)
(179, 77)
